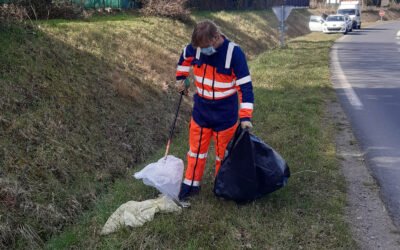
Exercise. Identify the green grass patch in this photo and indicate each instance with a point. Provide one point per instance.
(291, 88)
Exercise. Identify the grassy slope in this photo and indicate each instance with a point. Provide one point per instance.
(82, 102)
(66, 133)
(291, 87)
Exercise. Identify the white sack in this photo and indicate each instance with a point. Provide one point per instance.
(135, 214)
(165, 175)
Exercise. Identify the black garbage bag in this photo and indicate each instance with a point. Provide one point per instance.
(250, 169)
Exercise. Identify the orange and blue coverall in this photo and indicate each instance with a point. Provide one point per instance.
(224, 95)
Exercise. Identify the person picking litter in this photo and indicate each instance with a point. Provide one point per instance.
(224, 97)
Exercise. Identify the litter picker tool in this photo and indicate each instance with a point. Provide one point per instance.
(171, 132)
(166, 174)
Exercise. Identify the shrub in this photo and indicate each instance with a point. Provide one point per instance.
(175, 9)
(35, 8)
(19, 10)
(66, 10)
(12, 13)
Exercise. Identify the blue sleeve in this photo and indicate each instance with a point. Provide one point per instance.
(242, 73)
(243, 84)
(185, 61)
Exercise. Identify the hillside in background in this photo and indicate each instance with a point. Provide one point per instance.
(83, 101)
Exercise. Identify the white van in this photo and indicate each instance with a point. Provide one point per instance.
(353, 10)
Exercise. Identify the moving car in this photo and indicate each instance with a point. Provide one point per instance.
(316, 23)
(337, 24)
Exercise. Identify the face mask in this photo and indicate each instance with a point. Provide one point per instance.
(208, 51)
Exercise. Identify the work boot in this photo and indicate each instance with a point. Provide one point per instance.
(187, 191)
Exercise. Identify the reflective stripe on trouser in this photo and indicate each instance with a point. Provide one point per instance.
(199, 140)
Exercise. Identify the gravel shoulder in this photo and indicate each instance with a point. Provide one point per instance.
(370, 223)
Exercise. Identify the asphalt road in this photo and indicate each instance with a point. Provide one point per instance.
(365, 70)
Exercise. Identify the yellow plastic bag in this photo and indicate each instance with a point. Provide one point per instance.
(135, 214)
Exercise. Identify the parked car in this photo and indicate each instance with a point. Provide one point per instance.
(337, 24)
(316, 23)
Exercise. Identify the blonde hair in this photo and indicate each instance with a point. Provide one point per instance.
(203, 32)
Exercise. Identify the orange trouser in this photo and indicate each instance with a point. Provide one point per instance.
(199, 140)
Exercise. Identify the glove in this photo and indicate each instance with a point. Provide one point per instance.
(182, 86)
(246, 125)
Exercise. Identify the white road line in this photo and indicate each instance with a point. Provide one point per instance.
(343, 82)
(398, 38)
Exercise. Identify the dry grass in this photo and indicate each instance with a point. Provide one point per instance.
(82, 102)
(256, 31)
(69, 128)
(372, 14)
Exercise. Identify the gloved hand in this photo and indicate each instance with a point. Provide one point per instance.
(246, 125)
(182, 86)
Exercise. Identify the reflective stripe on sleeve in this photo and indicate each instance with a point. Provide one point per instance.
(243, 80)
(183, 68)
(246, 105)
